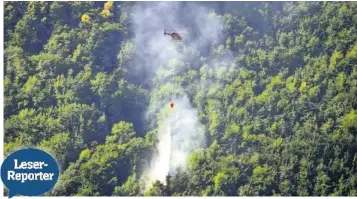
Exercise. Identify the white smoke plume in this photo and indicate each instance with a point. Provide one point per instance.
(180, 131)
(180, 134)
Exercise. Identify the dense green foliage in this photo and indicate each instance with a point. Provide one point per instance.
(281, 121)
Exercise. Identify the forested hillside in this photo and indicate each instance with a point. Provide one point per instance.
(265, 94)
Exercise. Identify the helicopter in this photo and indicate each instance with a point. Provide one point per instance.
(174, 35)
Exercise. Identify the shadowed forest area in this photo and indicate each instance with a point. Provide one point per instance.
(274, 85)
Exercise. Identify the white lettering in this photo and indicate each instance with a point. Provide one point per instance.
(23, 177)
(51, 175)
(11, 175)
(29, 165)
(18, 176)
(16, 167)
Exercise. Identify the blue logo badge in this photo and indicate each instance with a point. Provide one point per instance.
(29, 172)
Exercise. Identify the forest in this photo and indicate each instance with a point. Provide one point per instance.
(265, 96)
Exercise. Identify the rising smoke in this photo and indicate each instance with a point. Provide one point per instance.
(180, 131)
